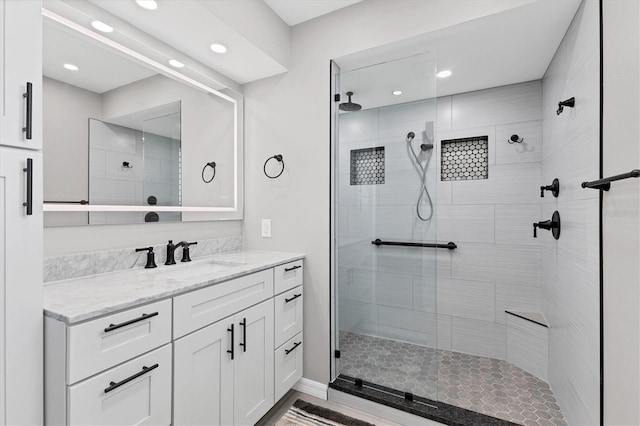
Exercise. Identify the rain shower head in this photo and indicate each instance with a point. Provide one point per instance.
(350, 106)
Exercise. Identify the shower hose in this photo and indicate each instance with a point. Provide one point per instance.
(422, 174)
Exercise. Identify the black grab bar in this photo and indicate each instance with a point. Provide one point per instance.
(605, 183)
(449, 245)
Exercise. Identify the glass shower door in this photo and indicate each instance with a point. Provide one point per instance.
(385, 210)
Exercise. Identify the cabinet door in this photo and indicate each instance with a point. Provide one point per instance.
(21, 63)
(203, 377)
(21, 286)
(137, 392)
(253, 365)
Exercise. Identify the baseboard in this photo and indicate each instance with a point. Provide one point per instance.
(310, 387)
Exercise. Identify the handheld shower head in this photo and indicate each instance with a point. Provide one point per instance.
(410, 136)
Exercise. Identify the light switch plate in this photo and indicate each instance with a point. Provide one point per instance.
(266, 228)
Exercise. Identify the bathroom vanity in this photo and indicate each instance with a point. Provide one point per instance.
(217, 341)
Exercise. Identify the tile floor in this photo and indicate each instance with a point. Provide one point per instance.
(485, 385)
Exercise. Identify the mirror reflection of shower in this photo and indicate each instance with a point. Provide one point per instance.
(420, 163)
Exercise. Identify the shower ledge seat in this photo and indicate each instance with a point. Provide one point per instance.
(528, 341)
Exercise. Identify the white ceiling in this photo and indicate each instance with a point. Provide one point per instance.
(296, 11)
(100, 69)
(191, 27)
(505, 48)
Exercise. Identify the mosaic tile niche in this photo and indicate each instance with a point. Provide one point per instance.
(367, 166)
(465, 159)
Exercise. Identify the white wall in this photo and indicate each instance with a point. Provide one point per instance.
(570, 265)
(289, 114)
(621, 227)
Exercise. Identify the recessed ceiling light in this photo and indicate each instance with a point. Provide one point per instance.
(396, 92)
(71, 67)
(101, 26)
(218, 48)
(443, 74)
(148, 4)
(175, 63)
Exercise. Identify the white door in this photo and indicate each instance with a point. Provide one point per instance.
(203, 377)
(21, 63)
(21, 279)
(253, 365)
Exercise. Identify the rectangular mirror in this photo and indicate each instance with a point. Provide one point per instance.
(132, 141)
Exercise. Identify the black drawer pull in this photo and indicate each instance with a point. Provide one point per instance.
(126, 323)
(29, 96)
(145, 370)
(295, 296)
(243, 324)
(292, 268)
(29, 170)
(288, 351)
(232, 347)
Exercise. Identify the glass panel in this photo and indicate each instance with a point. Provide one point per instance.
(386, 182)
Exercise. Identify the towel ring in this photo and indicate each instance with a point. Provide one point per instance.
(213, 166)
(277, 157)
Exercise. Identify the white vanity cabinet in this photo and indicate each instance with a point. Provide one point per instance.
(21, 69)
(219, 355)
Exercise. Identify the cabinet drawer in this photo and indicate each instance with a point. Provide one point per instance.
(102, 343)
(288, 315)
(288, 366)
(200, 308)
(288, 276)
(125, 395)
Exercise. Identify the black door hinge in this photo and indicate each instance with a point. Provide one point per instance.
(336, 97)
(336, 353)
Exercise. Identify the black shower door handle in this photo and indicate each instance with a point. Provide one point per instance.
(29, 111)
(29, 203)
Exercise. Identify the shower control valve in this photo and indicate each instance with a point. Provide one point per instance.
(552, 225)
(554, 188)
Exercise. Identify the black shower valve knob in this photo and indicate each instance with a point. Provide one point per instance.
(554, 188)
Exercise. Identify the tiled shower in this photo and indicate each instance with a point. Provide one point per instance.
(505, 324)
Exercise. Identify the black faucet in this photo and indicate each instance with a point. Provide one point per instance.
(171, 249)
(151, 257)
(553, 225)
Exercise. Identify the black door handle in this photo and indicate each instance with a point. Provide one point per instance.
(145, 370)
(288, 351)
(29, 203)
(243, 324)
(295, 296)
(126, 323)
(29, 96)
(232, 344)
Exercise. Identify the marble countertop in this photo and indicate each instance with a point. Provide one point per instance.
(84, 298)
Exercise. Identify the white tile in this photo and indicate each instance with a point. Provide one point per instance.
(529, 151)
(444, 332)
(479, 338)
(425, 294)
(527, 346)
(466, 223)
(408, 260)
(357, 317)
(506, 264)
(466, 299)
(507, 184)
(500, 105)
(514, 224)
(357, 126)
(409, 326)
(384, 222)
(381, 288)
(516, 297)
(408, 117)
(443, 114)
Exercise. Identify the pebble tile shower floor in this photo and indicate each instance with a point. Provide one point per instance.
(489, 386)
